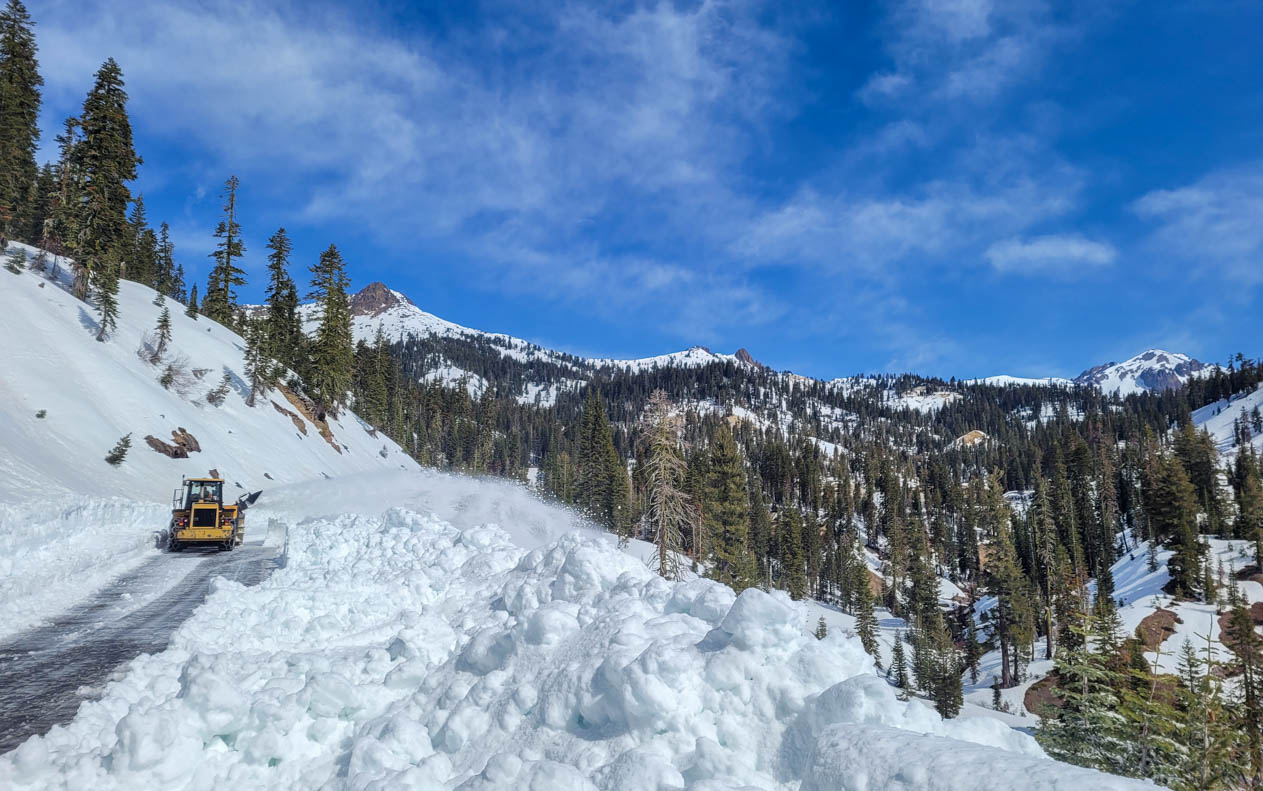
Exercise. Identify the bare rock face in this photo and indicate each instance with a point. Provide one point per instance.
(744, 356)
(182, 444)
(375, 299)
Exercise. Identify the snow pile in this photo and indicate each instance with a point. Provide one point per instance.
(90, 394)
(54, 553)
(399, 651)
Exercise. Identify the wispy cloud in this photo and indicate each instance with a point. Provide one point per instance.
(1064, 254)
(1216, 223)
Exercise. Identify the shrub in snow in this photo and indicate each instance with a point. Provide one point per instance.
(216, 397)
(43, 413)
(119, 451)
(15, 262)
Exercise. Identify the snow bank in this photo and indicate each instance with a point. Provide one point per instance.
(53, 553)
(399, 651)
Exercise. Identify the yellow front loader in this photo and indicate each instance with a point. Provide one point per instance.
(200, 518)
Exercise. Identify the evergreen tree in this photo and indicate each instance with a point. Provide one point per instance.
(822, 629)
(899, 667)
(15, 261)
(332, 355)
(793, 565)
(257, 366)
(1173, 516)
(601, 486)
(216, 397)
(163, 335)
(284, 332)
(866, 627)
(220, 301)
(1246, 665)
(726, 520)
(105, 288)
(119, 452)
(103, 161)
(20, 83)
(191, 309)
(138, 248)
(669, 512)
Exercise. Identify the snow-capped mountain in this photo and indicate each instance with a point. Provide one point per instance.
(377, 306)
(1153, 369)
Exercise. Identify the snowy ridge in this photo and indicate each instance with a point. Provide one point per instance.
(1153, 369)
(396, 650)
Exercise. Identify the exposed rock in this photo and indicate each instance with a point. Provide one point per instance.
(308, 410)
(185, 440)
(1156, 627)
(182, 444)
(1042, 695)
(170, 451)
(298, 421)
(744, 356)
(375, 299)
(970, 439)
(1151, 370)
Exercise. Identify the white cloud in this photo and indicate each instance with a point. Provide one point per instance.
(1065, 254)
(1215, 223)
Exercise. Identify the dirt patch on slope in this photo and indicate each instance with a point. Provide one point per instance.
(1156, 628)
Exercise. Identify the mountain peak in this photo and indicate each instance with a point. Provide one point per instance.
(375, 299)
(1152, 369)
(744, 356)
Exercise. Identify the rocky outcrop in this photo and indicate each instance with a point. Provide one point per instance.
(744, 356)
(298, 421)
(182, 444)
(375, 299)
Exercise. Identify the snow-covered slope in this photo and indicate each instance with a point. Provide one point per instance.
(395, 650)
(1153, 369)
(93, 393)
(1218, 418)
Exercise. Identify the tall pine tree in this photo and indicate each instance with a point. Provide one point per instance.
(20, 83)
(220, 300)
(332, 355)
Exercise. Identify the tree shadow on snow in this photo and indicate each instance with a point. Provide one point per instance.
(89, 323)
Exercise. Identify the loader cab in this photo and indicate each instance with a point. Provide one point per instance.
(204, 490)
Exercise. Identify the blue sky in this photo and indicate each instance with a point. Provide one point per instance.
(953, 187)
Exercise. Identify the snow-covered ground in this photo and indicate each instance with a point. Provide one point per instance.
(91, 394)
(1217, 418)
(70, 521)
(395, 649)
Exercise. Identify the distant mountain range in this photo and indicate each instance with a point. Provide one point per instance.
(398, 317)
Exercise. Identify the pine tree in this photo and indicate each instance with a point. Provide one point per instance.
(138, 248)
(103, 161)
(164, 266)
(20, 83)
(899, 667)
(669, 512)
(119, 452)
(1205, 735)
(220, 301)
(105, 288)
(15, 261)
(822, 629)
(866, 626)
(163, 332)
(216, 397)
(258, 367)
(726, 521)
(1173, 515)
(1087, 730)
(1246, 665)
(332, 355)
(602, 490)
(283, 327)
(191, 309)
(793, 566)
